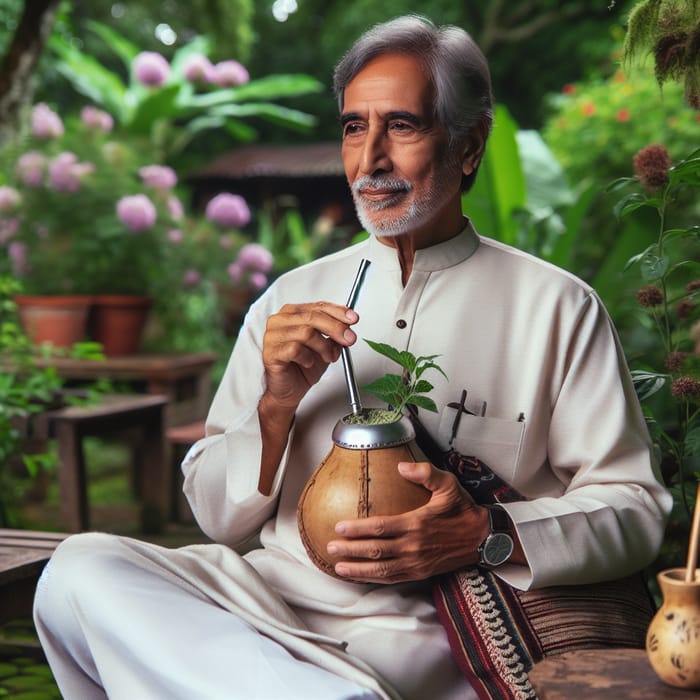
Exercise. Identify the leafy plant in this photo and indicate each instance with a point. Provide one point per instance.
(666, 372)
(398, 390)
(173, 113)
(27, 389)
(670, 31)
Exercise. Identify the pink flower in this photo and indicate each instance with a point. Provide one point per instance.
(160, 177)
(151, 68)
(191, 278)
(46, 124)
(235, 271)
(229, 73)
(175, 208)
(18, 254)
(8, 229)
(254, 256)
(198, 68)
(10, 198)
(228, 210)
(136, 212)
(95, 118)
(30, 168)
(258, 281)
(65, 172)
(175, 236)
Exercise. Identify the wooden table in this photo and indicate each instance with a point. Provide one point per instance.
(184, 378)
(23, 554)
(602, 674)
(143, 418)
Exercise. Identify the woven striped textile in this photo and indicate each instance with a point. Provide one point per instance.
(496, 632)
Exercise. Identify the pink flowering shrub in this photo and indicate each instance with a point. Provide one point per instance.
(82, 212)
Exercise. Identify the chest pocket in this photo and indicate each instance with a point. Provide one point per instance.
(494, 441)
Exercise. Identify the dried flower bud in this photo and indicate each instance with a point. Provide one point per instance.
(686, 388)
(684, 309)
(692, 286)
(675, 360)
(650, 295)
(651, 166)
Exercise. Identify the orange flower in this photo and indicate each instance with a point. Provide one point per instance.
(569, 89)
(588, 109)
(623, 115)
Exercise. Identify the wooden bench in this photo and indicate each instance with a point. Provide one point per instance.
(142, 419)
(23, 554)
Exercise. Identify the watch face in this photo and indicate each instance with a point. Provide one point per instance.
(497, 548)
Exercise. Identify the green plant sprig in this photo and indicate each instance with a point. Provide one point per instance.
(398, 390)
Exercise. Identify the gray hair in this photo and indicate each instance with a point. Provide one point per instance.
(457, 66)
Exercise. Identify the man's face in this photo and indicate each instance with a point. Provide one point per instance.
(403, 177)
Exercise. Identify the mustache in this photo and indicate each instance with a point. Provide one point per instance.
(373, 182)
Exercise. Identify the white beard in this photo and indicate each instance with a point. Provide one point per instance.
(418, 211)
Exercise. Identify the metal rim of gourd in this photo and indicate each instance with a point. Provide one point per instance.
(359, 436)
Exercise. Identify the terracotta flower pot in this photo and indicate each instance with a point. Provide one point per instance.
(117, 321)
(357, 479)
(57, 319)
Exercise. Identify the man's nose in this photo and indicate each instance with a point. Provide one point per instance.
(375, 153)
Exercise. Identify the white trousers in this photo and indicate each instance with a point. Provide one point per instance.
(113, 629)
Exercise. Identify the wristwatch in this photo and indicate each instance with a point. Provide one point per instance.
(498, 545)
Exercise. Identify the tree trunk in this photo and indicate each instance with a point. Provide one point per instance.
(20, 59)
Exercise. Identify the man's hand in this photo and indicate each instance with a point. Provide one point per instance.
(300, 341)
(443, 535)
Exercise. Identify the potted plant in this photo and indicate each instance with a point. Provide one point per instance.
(358, 477)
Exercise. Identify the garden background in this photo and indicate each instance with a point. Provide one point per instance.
(124, 101)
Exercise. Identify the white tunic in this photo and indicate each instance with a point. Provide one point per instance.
(525, 340)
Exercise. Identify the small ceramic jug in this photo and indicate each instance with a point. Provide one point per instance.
(673, 638)
(357, 479)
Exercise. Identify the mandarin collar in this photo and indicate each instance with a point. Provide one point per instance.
(436, 257)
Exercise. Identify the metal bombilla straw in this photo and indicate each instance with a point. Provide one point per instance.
(353, 394)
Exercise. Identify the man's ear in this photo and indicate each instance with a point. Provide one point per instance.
(474, 148)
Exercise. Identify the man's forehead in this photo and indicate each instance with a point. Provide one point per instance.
(397, 81)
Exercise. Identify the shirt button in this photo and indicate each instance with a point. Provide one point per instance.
(401, 323)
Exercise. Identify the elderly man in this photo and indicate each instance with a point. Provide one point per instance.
(549, 408)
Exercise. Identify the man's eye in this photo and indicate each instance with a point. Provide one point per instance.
(351, 128)
(401, 126)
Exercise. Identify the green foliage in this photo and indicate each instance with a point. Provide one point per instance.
(398, 390)
(173, 114)
(666, 373)
(25, 390)
(596, 126)
(499, 188)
